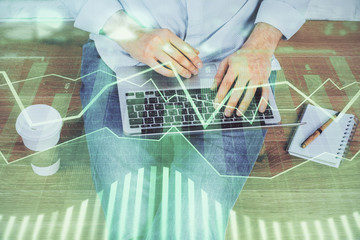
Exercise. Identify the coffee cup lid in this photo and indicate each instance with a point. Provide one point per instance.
(39, 113)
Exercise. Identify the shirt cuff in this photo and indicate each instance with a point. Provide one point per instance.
(281, 16)
(94, 14)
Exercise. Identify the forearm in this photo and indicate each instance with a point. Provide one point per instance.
(121, 28)
(264, 39)
(152, 46)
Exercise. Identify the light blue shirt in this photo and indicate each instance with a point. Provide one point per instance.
(216, 28)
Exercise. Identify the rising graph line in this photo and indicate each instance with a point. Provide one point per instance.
(174, 130)
(204, 122)
(190, 99)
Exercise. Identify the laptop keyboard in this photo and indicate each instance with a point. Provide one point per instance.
(157, 111)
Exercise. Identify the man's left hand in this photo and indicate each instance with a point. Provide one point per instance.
(249, 68)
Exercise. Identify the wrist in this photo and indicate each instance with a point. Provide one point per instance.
(263, 39)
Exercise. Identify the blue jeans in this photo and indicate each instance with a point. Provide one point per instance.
(181, 186)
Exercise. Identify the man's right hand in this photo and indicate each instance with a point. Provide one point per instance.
(153, 46)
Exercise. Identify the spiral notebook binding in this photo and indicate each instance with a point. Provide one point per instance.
(348, 136)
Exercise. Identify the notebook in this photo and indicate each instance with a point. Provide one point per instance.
(331, 146)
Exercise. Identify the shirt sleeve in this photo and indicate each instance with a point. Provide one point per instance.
(93, 14)
(286, 15)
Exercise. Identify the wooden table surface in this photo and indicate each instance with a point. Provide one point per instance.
(284, 198)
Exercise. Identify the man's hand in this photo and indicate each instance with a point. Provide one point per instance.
(250, 67)
(153, 46)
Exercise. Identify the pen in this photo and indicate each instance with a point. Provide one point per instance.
(318, 131)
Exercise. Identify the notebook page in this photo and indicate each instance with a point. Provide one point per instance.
(326, 148)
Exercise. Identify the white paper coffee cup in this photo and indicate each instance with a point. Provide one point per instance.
(41, 137)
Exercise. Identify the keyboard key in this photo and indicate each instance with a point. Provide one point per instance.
(162, 112)
(169, 119)
(149, 120)
(178, 118)
(129, 94)
(189, 118)
(157, 93)
(194, 91)
(191, 111)
(173, 99)
(201, 97)
(156, 125)
(133, 115)
(134, 126)
(130, 109)
(136, 101)
(178, 105)
(169, 92)
(145, 125)
(182, 98)
(142, 114)
(153, 100)
(199, 104)
(180, 92)
(207, 116)
(238, 118)
(268, 112)
(139, 108)
(139, 95)
(183, 111)
(153, 114)
(203, 110)
(169, 106)
(149, 93)
(149, 107)
(208, 104)
(172, 112)
(159, 106)
(219, 116)
(187, 104)
(211, 109)
(249, 114)
(159, 120)
(136, 121)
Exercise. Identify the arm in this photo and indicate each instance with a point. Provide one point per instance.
(91, 15)
(151, 46)
(251, 65)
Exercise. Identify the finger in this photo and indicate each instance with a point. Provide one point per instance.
(225, 86)
(265, 98)
(195, 50)
(220, 73)
(180, 58)
(156, 66)
(163, 57)
(235, 96)
(249, 94)
(186, 50)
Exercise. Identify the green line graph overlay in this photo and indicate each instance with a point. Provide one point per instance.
(204, 122)
(174, 130)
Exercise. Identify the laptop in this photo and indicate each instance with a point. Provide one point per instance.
(152, 104)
